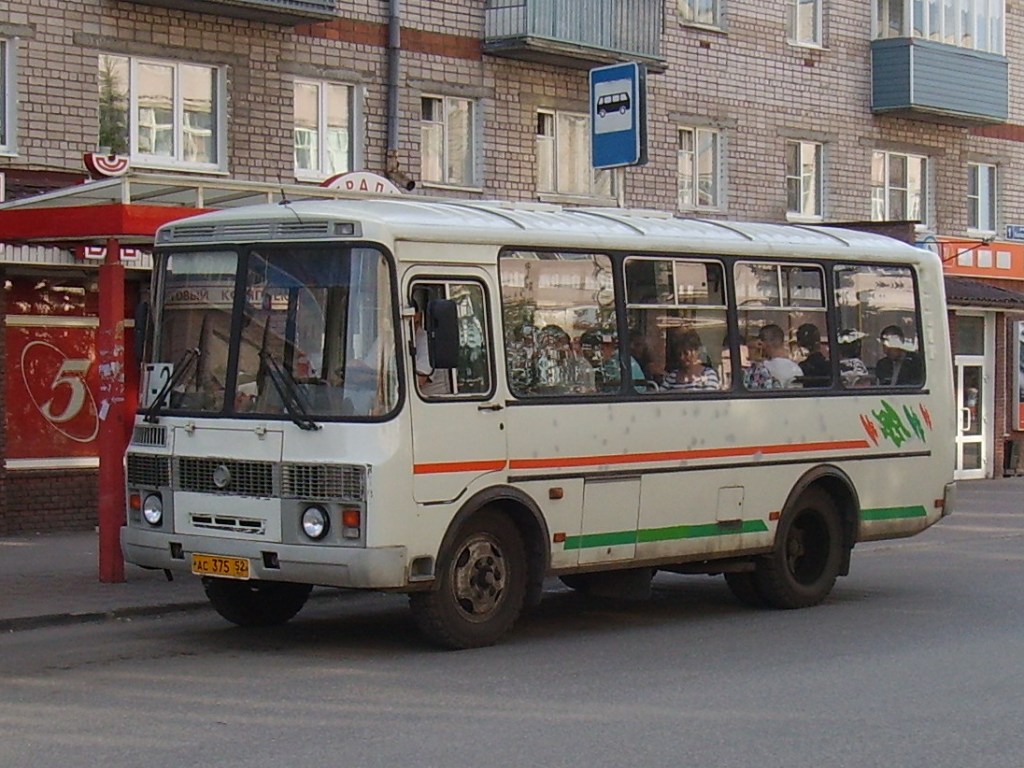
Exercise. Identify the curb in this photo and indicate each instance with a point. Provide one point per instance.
(23, 623)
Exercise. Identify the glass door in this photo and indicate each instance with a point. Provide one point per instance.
(971, 418)
(974, 336)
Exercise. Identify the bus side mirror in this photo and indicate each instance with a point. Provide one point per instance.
(442, 327)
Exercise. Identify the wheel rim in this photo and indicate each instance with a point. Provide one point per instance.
(807, 548)
(479, 577)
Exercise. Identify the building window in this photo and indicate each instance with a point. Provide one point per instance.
(324, 119)
(699, 168)
(447, 143)
(975, 24)
(563, 157)
(898, 187)
(805, 22)
(981, 197)
(701, 12)
(804, 179)
(162, 113)
(7, 98)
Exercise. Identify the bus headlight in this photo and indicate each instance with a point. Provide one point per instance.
(315, 523)
(153, 510)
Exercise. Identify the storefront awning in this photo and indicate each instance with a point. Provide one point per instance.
(132, 207)
(963, 292)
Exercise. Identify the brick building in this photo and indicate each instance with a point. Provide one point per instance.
(776, 110)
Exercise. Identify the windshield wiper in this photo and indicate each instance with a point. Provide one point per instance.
(181, 368)
(291, 396)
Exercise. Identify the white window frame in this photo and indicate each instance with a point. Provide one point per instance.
(176, 163)
(813, 182)
(693, 159)
(553, 143)
(888, 188)
(814, 40)
(474, 140)
(982, 205)
(320, 171)
(690, 12)
(8, 96)
(942, 21)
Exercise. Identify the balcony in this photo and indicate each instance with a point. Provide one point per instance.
(285, 12)
(925, 80)
(575, 33)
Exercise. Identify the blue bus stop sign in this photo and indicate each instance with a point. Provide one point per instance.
(618, 115)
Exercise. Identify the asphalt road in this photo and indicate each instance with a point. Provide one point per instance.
(917, 659)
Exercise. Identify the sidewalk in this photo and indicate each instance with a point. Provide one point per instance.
(51, 579)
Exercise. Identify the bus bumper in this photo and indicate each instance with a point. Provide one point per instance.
(363, 568)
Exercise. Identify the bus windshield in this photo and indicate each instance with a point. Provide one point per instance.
(312, 339)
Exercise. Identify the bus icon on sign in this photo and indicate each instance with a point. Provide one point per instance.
(613, 102)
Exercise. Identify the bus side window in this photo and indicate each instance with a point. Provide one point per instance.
(560, 326)
(879, 337)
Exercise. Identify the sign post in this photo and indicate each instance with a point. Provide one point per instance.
(618, 115)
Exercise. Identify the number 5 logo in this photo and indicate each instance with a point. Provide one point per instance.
(68, 393)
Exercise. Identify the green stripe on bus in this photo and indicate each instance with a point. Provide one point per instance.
(672, 533)
(893, 513)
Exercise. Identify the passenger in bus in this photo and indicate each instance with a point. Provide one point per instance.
(691, 371)
(640, 362)
(900, 366)
(777, 361)
(815, 367)
(756, 375)
(852, 370)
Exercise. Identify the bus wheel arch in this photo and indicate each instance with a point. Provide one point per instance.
(490, 565)
(813, 541)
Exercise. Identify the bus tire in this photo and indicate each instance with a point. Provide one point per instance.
(256, 603)
(743, 586)
(803, 568)
(481, 589)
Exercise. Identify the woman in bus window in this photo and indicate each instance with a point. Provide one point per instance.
(691, 371)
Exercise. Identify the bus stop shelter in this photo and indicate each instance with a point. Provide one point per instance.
(110, 216)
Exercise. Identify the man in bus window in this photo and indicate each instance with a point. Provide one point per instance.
(778, 363)
(900, 366)
(816, 369)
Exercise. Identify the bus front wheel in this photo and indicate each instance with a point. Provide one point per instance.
(481, 589)
(256, 603)
(808, 554)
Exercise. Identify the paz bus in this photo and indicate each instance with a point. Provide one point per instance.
(460, 399)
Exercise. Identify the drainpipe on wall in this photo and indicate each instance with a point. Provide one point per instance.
(393, 169)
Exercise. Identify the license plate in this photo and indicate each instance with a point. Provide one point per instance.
(221, 567)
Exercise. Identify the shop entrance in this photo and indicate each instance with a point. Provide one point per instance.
(974, 395)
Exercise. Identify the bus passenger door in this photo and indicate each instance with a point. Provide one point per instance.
(458, 430)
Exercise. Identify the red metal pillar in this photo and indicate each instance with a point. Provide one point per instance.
(111, 354)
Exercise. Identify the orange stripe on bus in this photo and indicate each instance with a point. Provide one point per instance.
(704, 453)
(446, 467)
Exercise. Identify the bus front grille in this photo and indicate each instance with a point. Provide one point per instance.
(149, 434)
(324, 482)
(229, 523)
(226, 476)
(148, 471)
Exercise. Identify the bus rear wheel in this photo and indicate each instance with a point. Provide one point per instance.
(256, 603)
(481, 587)
(808, 554)
(743, 586)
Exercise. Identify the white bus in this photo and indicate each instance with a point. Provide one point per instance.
(458, 400)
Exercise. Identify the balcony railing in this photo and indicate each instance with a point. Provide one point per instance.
(933, 81)
(274, 11)
(575, 33)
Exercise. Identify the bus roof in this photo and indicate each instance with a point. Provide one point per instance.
(521, 224)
